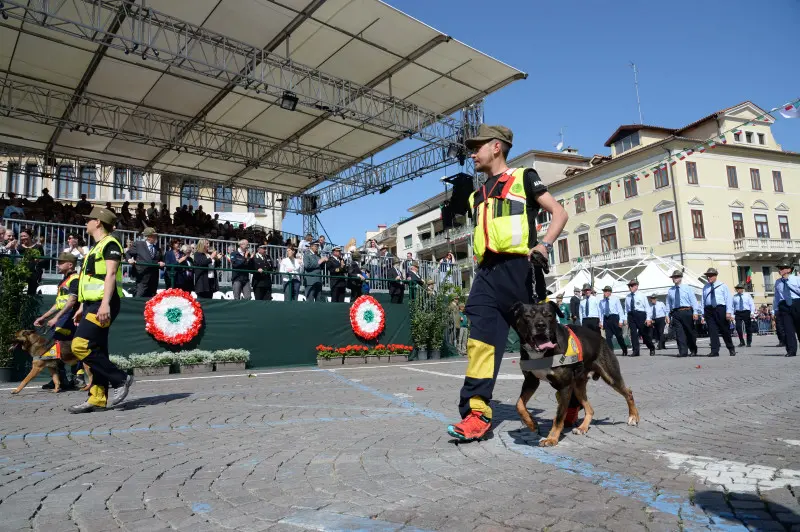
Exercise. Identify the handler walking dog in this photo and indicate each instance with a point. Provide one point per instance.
(505, 245)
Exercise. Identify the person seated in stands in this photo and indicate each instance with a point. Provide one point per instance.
(152, 212)
(83, 206)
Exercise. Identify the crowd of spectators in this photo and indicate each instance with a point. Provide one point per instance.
(184, 220)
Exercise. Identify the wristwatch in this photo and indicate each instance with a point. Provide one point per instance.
(547, 245)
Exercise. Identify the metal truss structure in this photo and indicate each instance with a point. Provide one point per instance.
(354, 183)
(107, 118)
(186, 46)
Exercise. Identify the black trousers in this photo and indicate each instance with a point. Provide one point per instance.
(743, 320)
(147, 284)
(337, 293)
(591, 323)
(658, 331)
(636, 325)
(90, 345)
(790, 320)
(718, 325)
(397, 297)
(613, 330)
(780, 331)
(263, 293)
(494, 291)
(685, 332)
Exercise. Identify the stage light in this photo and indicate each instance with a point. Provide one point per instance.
(289, 101)
(384, 189)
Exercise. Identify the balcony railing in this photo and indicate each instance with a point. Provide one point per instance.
(444, 237)
(615, 255)
(766, 245)
(769, 287)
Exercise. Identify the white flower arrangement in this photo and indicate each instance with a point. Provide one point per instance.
(185, 358)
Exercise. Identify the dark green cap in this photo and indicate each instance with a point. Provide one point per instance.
(487, 133)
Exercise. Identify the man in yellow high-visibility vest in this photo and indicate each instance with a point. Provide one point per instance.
(100, 295)
(505, 244)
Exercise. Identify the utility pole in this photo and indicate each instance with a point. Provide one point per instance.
(636, 84)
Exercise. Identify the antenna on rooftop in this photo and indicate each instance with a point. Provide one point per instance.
(560, 144)
(636, 84)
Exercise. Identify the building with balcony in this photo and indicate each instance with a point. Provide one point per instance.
(26, 177)
(728, 207)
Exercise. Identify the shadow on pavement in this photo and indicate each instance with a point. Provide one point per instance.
(152, 400)
(757, 512)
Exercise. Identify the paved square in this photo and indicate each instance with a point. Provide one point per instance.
(365, 448)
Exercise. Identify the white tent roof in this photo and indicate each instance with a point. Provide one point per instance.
(655, 280)
(365, 42)
(580, 278)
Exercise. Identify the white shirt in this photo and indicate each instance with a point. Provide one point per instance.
(290, 266)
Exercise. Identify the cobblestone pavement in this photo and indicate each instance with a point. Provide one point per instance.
(365, 448)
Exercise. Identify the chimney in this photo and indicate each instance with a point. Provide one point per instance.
(381, 227)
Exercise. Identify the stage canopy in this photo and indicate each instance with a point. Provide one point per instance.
(204, 88)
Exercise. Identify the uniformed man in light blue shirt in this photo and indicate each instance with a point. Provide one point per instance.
(613, 320)
(718, 312)
(657, 318)
(684, 310)
(787, 302)
(636, 309)
(744, 310)
(590, 309)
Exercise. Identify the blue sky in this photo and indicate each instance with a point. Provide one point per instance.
(694, 58)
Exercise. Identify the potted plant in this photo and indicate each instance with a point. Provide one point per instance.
(194, 361)
(150, 364)
(17, 308)
(419, 317)
(399, 353)
(124, 363)
(230, 359)
(327, 356)
(377, 354)
(436, 324)
(354, 355)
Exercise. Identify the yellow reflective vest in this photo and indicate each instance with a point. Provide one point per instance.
(91, 286)
(501, 218)
(63, 291)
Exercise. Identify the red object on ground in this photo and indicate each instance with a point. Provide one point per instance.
(698, 366)
(420, 388)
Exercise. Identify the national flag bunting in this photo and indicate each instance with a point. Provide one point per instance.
(702, 148)
(689, 152)
(791, 111)
(673, 163)
(682, 157)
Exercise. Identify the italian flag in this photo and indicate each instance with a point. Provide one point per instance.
(749, 278)
(791, 110)
(682, 157)
(702, 148)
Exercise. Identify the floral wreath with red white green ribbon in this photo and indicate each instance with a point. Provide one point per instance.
(173, 316)
(367, 317)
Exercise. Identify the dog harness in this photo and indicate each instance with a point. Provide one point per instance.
(54, 353)
(540, 365)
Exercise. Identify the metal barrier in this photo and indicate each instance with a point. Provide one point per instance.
(54, 239)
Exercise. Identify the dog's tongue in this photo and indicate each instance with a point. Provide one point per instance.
(544, 346)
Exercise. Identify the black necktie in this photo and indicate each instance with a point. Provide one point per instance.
(654, 312)
(713, 297)
(678, 302)
(740, 302)
(586, 308)
(633, 307)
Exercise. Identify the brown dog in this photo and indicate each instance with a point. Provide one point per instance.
(545, 355)
(38, 348)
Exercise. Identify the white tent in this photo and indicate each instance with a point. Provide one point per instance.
(652, 272)
(245, 219)
(577, 281)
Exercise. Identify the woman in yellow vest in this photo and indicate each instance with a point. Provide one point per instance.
(505, 245)
(59, 316)
(100, 295)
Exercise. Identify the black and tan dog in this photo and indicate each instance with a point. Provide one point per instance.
(543, 339)
(40, 349)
